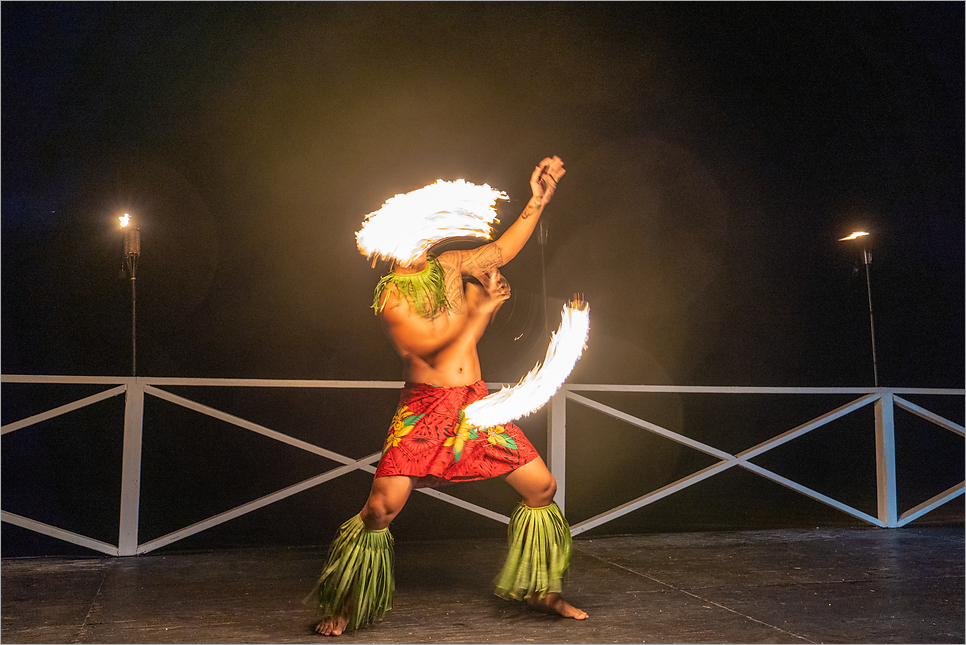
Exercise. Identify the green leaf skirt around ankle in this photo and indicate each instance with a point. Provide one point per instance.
(540, 547)
(357, 579)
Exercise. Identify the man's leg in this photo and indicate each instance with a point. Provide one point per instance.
(537, 486)
(387, 497)
(534, 483)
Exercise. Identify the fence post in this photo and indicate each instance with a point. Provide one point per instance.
(127, 541)
(885, 460)
(557, 444)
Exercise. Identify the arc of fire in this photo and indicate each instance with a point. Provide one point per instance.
(543, 381)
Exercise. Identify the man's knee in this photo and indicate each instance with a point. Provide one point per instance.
(541, 492)
(549, 490)
(377, 514)
(382, 507)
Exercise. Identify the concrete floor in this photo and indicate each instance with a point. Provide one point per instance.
(837, 585)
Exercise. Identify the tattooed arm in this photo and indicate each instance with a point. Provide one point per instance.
(481, 261)
(484, 260)
(543, 182)
(460, 265)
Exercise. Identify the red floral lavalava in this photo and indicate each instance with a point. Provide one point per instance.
(430, 439)
(401, 425)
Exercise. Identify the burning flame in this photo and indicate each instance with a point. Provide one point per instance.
(541, 383)
(410, 223)
(125, 220)
(855, 235)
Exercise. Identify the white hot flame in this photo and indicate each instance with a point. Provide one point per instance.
(125, 220)
(409, 224)
(855, 235)
(536, 388)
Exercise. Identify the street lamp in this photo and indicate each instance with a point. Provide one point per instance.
(132, 249)
(867, 260)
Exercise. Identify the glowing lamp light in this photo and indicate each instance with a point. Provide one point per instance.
(536, 388)
(853, 236)
(132, 240)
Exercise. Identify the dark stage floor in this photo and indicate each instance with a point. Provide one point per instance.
(841, 585)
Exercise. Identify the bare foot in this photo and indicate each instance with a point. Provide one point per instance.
(332, 626)
(554, 603)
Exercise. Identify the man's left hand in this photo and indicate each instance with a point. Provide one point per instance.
(545, 176)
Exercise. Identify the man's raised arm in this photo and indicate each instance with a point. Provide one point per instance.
(543, 182)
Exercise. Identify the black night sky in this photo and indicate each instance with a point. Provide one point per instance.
(715, 153)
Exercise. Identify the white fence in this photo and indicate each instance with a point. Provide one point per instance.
(884, 400)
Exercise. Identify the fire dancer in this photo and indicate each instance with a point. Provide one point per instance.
(435, 317)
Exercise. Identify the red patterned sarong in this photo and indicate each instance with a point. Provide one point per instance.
(430, 439)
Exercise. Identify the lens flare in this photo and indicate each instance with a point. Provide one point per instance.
(410, 223)
(536, 388)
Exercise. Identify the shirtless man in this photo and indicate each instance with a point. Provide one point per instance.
(436, 336)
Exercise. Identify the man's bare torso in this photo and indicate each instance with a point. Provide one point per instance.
(440, 349)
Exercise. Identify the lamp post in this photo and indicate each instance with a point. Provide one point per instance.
(132, 249)
(867, 260)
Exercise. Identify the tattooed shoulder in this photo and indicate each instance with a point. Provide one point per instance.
(483, 259)
(451, 262)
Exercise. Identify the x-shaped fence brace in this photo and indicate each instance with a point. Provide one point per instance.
(135, 389)
(885, 454)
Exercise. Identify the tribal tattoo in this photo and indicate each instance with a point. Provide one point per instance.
(531, 209)
(476, 262)
(454, 283)
(483, 260)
